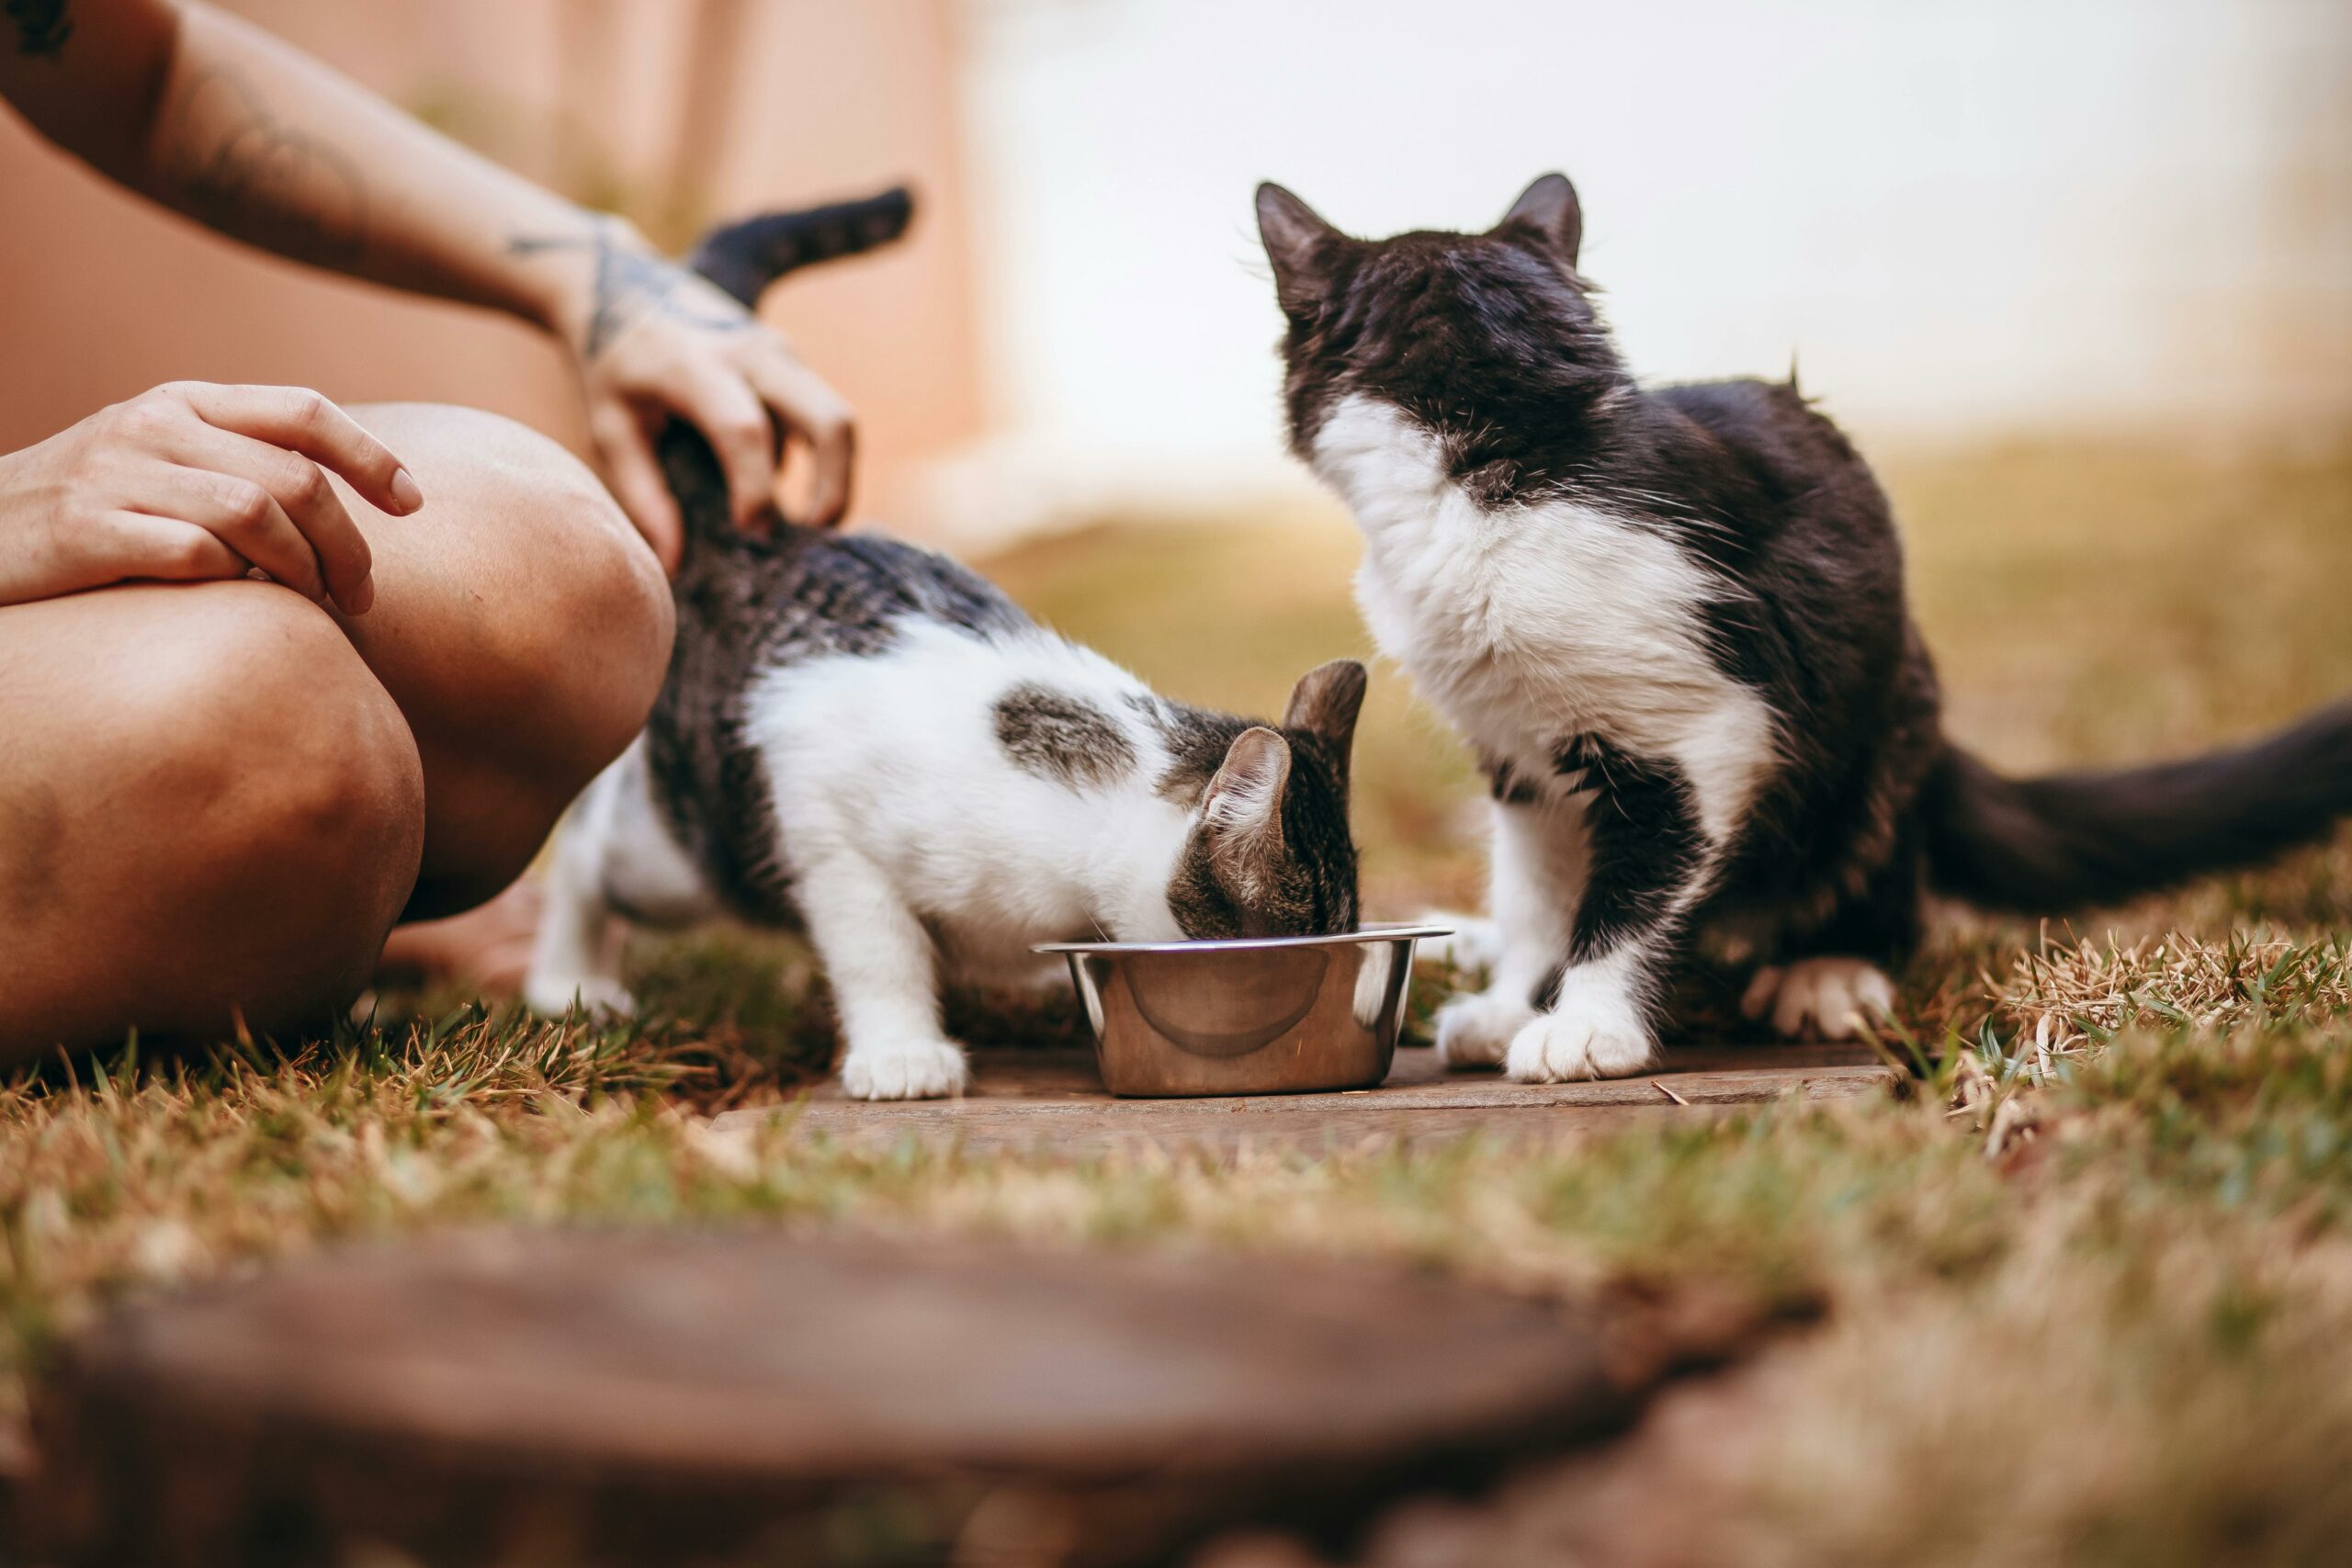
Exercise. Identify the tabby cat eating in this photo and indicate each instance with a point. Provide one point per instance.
(866, 739)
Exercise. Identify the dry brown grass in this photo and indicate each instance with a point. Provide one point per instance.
(2085, 1291)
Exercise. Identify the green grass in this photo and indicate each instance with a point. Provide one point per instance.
(2084, 1296)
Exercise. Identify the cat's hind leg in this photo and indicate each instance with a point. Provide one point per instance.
(1832, 983)
(574, 958)
(613, 855)
(1823, 998)
(1536, 869)
(884, 972)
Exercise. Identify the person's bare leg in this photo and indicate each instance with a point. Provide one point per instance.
(520, 624)
(219, 796)
(208, 808)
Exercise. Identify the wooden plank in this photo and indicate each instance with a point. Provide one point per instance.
(1054, 1100)
(614, 1397)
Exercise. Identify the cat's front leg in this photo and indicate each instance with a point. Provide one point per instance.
(1598, 1025)
(1647, 861)
(1536, 870)
(885, 979)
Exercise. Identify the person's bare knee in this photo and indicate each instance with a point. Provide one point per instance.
(301, 785)
(523, 625)
(232, 826)
(340, 794)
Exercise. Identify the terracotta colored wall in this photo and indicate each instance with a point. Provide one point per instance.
(101, 296)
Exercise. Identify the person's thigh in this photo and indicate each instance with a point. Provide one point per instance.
(211, 812)
(520, 624)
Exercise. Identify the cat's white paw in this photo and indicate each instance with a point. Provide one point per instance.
(594, 995)
(1592, 1033)
(1829, 999)
(1475, 1029)
(1474, 944)
(909, 1069)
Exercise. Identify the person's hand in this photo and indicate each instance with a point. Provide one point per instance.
(656, 341)
(191, 481)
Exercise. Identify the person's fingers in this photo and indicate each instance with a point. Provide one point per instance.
(814, 414)
(302, 420)
(240, 512)
(303, 493)
(635, 474)
(717, 400)
(168, 550)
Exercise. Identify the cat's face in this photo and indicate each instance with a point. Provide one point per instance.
(1269, 853)
(1465, 333)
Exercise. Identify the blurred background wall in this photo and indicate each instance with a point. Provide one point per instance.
(674, 112)
(1965, 221)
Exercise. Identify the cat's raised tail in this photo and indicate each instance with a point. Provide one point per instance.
(2048, 844)
(744, 257)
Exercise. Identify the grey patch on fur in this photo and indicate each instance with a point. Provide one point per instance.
(1196, 739)
(1062, 738)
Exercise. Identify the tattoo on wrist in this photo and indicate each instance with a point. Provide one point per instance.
(42, 27)
(247, 173)
(626, 286)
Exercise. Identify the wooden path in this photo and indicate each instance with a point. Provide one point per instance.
(686, 1397)
(690, 1398)
(1041, 1100)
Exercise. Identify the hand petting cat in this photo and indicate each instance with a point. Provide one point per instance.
(653, 341)
(217, 119)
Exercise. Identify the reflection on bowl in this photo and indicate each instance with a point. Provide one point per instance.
(1265, 1016)
(1256, 996)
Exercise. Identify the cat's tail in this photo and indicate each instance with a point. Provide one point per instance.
(2070, 840)
(744, 257)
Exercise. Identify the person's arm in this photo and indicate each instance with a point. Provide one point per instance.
(212, 117)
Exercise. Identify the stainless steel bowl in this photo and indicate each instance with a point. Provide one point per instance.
(1275, 1015)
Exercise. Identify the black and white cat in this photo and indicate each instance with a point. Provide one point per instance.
(1671, 622)
(866, 740)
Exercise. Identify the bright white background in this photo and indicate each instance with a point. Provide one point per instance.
(1963, 217)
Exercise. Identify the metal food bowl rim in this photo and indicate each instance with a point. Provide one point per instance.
(1251, 943)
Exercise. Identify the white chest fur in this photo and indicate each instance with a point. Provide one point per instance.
(1526, 624)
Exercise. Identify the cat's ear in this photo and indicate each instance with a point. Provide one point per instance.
(1299, 244)
(1325, 703)
(1550, 208)
(1243, 812)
